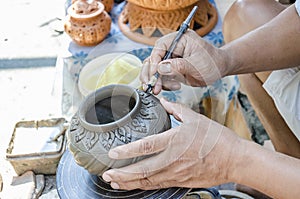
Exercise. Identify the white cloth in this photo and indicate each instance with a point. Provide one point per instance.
(284, 87)
(297, 5)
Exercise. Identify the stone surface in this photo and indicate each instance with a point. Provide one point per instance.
(40, 184)
(1, 182)
(28, 95)
(22, 186)
(29, 30)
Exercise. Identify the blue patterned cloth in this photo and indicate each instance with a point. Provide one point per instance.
(76, 57)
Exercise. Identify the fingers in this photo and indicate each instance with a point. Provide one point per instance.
(147, 72)
(179, 111)
(146, 146)
(156, 181)
(137, 171)
(150, 65)
(144, 75)
(181, 70)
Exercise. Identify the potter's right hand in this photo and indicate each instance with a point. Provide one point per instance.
(194, 154)
(194, 62)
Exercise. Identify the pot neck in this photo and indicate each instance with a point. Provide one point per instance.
(73, 14)
(104, 93)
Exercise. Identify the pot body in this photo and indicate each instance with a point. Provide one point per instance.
(111, 116)
(108, 4)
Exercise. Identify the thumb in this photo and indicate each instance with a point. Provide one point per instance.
(179, 111)
(174, 66)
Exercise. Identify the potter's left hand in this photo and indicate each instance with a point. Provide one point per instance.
(195, 154)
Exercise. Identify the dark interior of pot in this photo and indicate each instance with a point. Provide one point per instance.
(110, 109)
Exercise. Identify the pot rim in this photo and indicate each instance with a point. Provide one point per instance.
(73, 14)
(102, 93)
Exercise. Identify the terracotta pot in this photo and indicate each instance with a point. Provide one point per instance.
(146, 25)
(108, 4)
(87, 23)
(113, 115)
(163, 4)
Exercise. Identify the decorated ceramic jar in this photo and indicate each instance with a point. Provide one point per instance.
(111, 116)
(146, 21)
(87, 23)
(163, 4)
(108, 4)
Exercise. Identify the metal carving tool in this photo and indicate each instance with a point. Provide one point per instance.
(183, 28)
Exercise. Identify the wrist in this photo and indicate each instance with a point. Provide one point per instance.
(231, 149)
(231, 64)
(237, 161)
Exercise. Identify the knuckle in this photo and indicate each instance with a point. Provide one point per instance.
(145, 172)
(125, 186)
(145, 182)
(146, 146)
(147, 60)
(180, 64)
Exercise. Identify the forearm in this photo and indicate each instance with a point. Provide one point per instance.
(275, 45)
(270, 172)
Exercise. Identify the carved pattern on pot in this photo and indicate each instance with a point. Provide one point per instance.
(147, 117)
(123, 134)
(146, 25)
(163, 4)
(89, 138)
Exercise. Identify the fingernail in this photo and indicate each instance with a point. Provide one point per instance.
(106, 177)
(145, 87)
(165, 67)
(114, 185)
(113, 154)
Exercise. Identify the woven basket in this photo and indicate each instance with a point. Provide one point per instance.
(146, 25)
(163, 4)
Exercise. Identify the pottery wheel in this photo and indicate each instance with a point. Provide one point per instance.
(74, 181)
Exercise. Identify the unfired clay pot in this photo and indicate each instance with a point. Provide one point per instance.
(113, 115)
(87, 23)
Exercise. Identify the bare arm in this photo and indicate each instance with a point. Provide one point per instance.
(203, 153)
(275, 45)
(272, 173)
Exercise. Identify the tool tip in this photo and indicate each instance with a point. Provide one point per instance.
(148, 90)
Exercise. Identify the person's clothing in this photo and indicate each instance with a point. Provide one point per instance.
(297, 5)
(284, 87)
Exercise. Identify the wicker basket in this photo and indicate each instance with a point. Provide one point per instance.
(163, 4)
(147, 25)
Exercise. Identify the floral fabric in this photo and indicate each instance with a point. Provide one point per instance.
(75, 57)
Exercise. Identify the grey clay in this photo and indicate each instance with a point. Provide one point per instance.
(111, 116)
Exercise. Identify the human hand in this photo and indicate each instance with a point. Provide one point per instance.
(194, 154)
(195, 62)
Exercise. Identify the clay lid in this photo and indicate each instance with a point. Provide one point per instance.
(85, 9)
(163, 4)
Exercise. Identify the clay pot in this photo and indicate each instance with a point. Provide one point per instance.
(111, 116)
(108, 4)
(145, 22)
(87, 23)
(163, 4)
